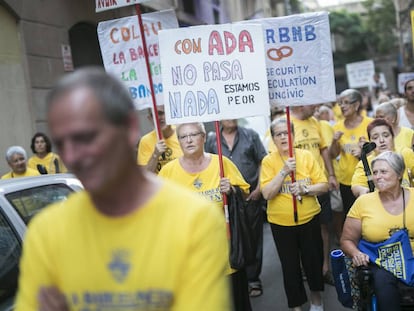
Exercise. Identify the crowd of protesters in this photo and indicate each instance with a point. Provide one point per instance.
(305, 176)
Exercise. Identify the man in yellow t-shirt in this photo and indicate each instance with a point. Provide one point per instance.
(155, 153)
(131, 241)
(17, 160)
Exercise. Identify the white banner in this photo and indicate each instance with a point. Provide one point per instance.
(123, 53)
(402, 78)
(103, 5)
(360, 74)
(213, 72)
(299, 60)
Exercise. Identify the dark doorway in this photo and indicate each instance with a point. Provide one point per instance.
(84, 44)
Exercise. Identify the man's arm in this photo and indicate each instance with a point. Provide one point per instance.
(333, 184)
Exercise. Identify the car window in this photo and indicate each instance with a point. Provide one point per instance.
(10, 250)
(28, 202)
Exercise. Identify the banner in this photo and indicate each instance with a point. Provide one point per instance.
(213, 72)
(402, 78)
(299, 60)
(360, 74)
(103, 5)
(123, 54)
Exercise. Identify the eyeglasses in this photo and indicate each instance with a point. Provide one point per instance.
(192, 136)
(279, 134)
(344, 102)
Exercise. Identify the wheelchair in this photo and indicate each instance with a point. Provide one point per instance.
(361, 281)
(367, 302)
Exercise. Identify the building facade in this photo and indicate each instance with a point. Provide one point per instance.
(47, 38)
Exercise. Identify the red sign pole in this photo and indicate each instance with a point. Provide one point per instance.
(146, 54)
(292, 174)
(220, 155)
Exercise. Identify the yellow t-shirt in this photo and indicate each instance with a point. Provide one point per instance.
(377, 223)
(47, 162)
(404, 138)
(349, 141)
(308, 172)
(29, 172)
(146, 148)
(360, 179)
(206, 182)
(308, 136)
(337, 113)
(327, 133)
(170, 254)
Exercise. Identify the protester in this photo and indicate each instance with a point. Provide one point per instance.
(381, 133)
(308, 135)
(275, 112)
(131, 240)
(403, 136)
(155, 153)
(350, 134)
(374, 217)
(200, 172)
(406, 112)
(244, 148)
(43, 159)
(16, 158)
(325, 112)
(334, 194)
(297, 241)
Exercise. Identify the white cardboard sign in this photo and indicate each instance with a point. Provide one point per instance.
(103, 5)
(213, 72)
(123, 53)
(360, 74)
(299, 59)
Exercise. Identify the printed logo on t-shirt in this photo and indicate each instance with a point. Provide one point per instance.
(119, 265)
(197, 183)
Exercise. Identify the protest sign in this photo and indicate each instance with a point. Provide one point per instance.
(213, 72)
(123, 53)
(402, 78)
(103, 5)
(299, 60)
(360, 74)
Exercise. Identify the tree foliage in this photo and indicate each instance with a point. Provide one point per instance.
(349, 37)
(364, 36)
(380, 26)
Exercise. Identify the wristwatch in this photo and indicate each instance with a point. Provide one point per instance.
(306, 190)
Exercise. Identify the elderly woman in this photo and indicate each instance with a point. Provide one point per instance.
(381, 133)
(199, 171)
(297, 240)
(16, 158)
(44, 160)
(349, 134)
(403, 136)
(374, 217)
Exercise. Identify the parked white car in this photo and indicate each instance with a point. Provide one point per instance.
(20, 200)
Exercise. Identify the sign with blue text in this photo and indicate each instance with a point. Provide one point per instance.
(213, 72)
(103, 5)
(299, 60)
(123, 53)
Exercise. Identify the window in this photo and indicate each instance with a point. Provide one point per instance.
(28, 202)
(10, 250)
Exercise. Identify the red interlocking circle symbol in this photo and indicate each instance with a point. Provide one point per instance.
(282, 52)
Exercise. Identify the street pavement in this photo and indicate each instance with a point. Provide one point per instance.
(273, 298)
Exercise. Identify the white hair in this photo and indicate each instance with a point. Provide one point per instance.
(15, 150)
